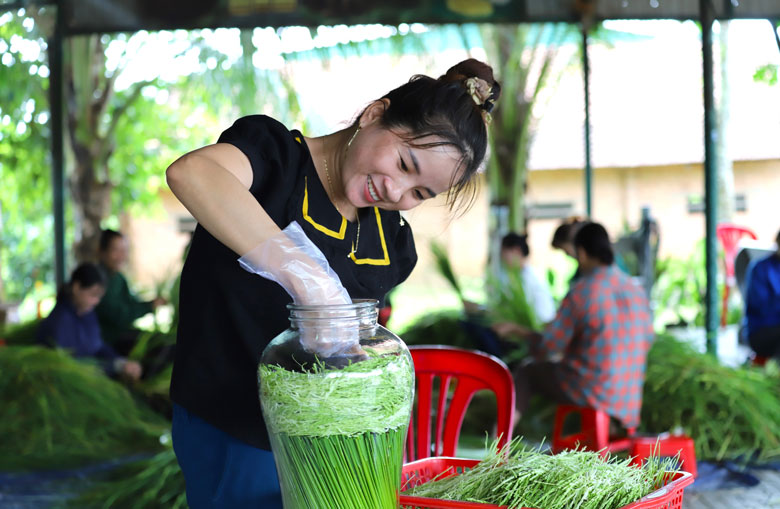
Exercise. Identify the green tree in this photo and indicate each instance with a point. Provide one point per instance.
(524, 58)
(121, 139)
(26, 253)
(768, 72)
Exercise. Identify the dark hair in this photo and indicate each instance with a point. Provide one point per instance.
(106, 237)
(445, 108)
(516, 241)
(566, 231)
(87, 274)
(777, 239)
(594, 239)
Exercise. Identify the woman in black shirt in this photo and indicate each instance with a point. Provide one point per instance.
(345, 190)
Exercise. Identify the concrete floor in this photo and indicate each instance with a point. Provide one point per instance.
(765, 495)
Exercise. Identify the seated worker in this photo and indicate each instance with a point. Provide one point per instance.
(594, 351)
(514, 255)
(762, 305)
(119, 307)
(563, 239)
(73, 325)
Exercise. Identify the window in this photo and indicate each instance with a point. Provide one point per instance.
(550, 210)
(696, 203)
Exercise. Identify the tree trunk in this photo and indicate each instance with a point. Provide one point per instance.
(246, 99)
(526, 55)
(2, 285)
(91, 203)
(88, 92)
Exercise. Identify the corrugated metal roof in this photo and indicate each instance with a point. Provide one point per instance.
(84, 16)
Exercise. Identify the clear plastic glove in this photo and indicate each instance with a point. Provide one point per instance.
(292, 260)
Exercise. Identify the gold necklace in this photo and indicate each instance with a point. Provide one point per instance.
(330, 186)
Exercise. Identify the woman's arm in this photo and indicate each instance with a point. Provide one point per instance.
(213, 184)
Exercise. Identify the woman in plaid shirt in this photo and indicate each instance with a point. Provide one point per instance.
(594, 352)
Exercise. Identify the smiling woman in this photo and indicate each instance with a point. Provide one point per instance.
(343, 191)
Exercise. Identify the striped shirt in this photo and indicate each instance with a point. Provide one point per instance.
(602, 331)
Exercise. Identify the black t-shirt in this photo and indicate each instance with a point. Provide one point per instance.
(228, 315)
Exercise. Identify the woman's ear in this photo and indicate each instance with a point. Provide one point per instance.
(374, 112)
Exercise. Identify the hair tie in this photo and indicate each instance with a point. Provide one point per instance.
(480, 91)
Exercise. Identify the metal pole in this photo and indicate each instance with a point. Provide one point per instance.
(586, 80)
(710, 179)
(57, 166)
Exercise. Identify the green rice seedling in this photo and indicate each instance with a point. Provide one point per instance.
(338, 434)
(152, 483)
(445, 268)
(510, 303)
(59, 412)
(731, 413)
(21, 333)
(520, 476)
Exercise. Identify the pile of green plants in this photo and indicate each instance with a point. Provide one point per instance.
(152, 483)
(509, 303)
(731, 413)
(338, 434)
(526, 477)
(442, 328)
(59, 412)
(21, 333)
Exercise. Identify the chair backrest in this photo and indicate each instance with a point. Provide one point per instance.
(729, 235)
(471, 371)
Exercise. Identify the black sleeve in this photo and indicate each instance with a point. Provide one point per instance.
(266, 143)
(44, 336)
(406, 252)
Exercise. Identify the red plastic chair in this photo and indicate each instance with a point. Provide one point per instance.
(665, 446)
(384, 315)
(758, 360)
(471, 371)
(729, 235)
(593, 434)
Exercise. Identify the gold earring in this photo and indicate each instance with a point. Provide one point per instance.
(349, 143)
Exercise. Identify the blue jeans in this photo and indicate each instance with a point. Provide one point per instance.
(220, 470)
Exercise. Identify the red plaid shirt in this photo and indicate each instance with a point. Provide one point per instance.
(603, 330)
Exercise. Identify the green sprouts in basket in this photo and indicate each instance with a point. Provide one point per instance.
(527, 477)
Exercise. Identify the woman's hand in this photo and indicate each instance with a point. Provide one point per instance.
(130, 370)
(504, 329)
(293, 261)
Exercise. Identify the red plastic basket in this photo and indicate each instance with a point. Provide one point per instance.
(418, 472)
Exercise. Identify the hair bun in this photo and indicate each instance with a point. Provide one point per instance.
(478, 79)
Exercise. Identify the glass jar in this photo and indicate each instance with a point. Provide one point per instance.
(336, 391)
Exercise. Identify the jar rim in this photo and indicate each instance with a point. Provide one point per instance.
(356, 304)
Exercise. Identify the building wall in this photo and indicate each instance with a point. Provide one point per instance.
(620, 193)
(156, 244)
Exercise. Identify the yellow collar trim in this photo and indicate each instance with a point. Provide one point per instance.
(385, 260)
(374, 261)
(327, 231)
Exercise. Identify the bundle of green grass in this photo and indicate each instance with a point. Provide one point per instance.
(338, 434)
(59, 412)
(526, 477)
(731, 413)
(152, 483)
